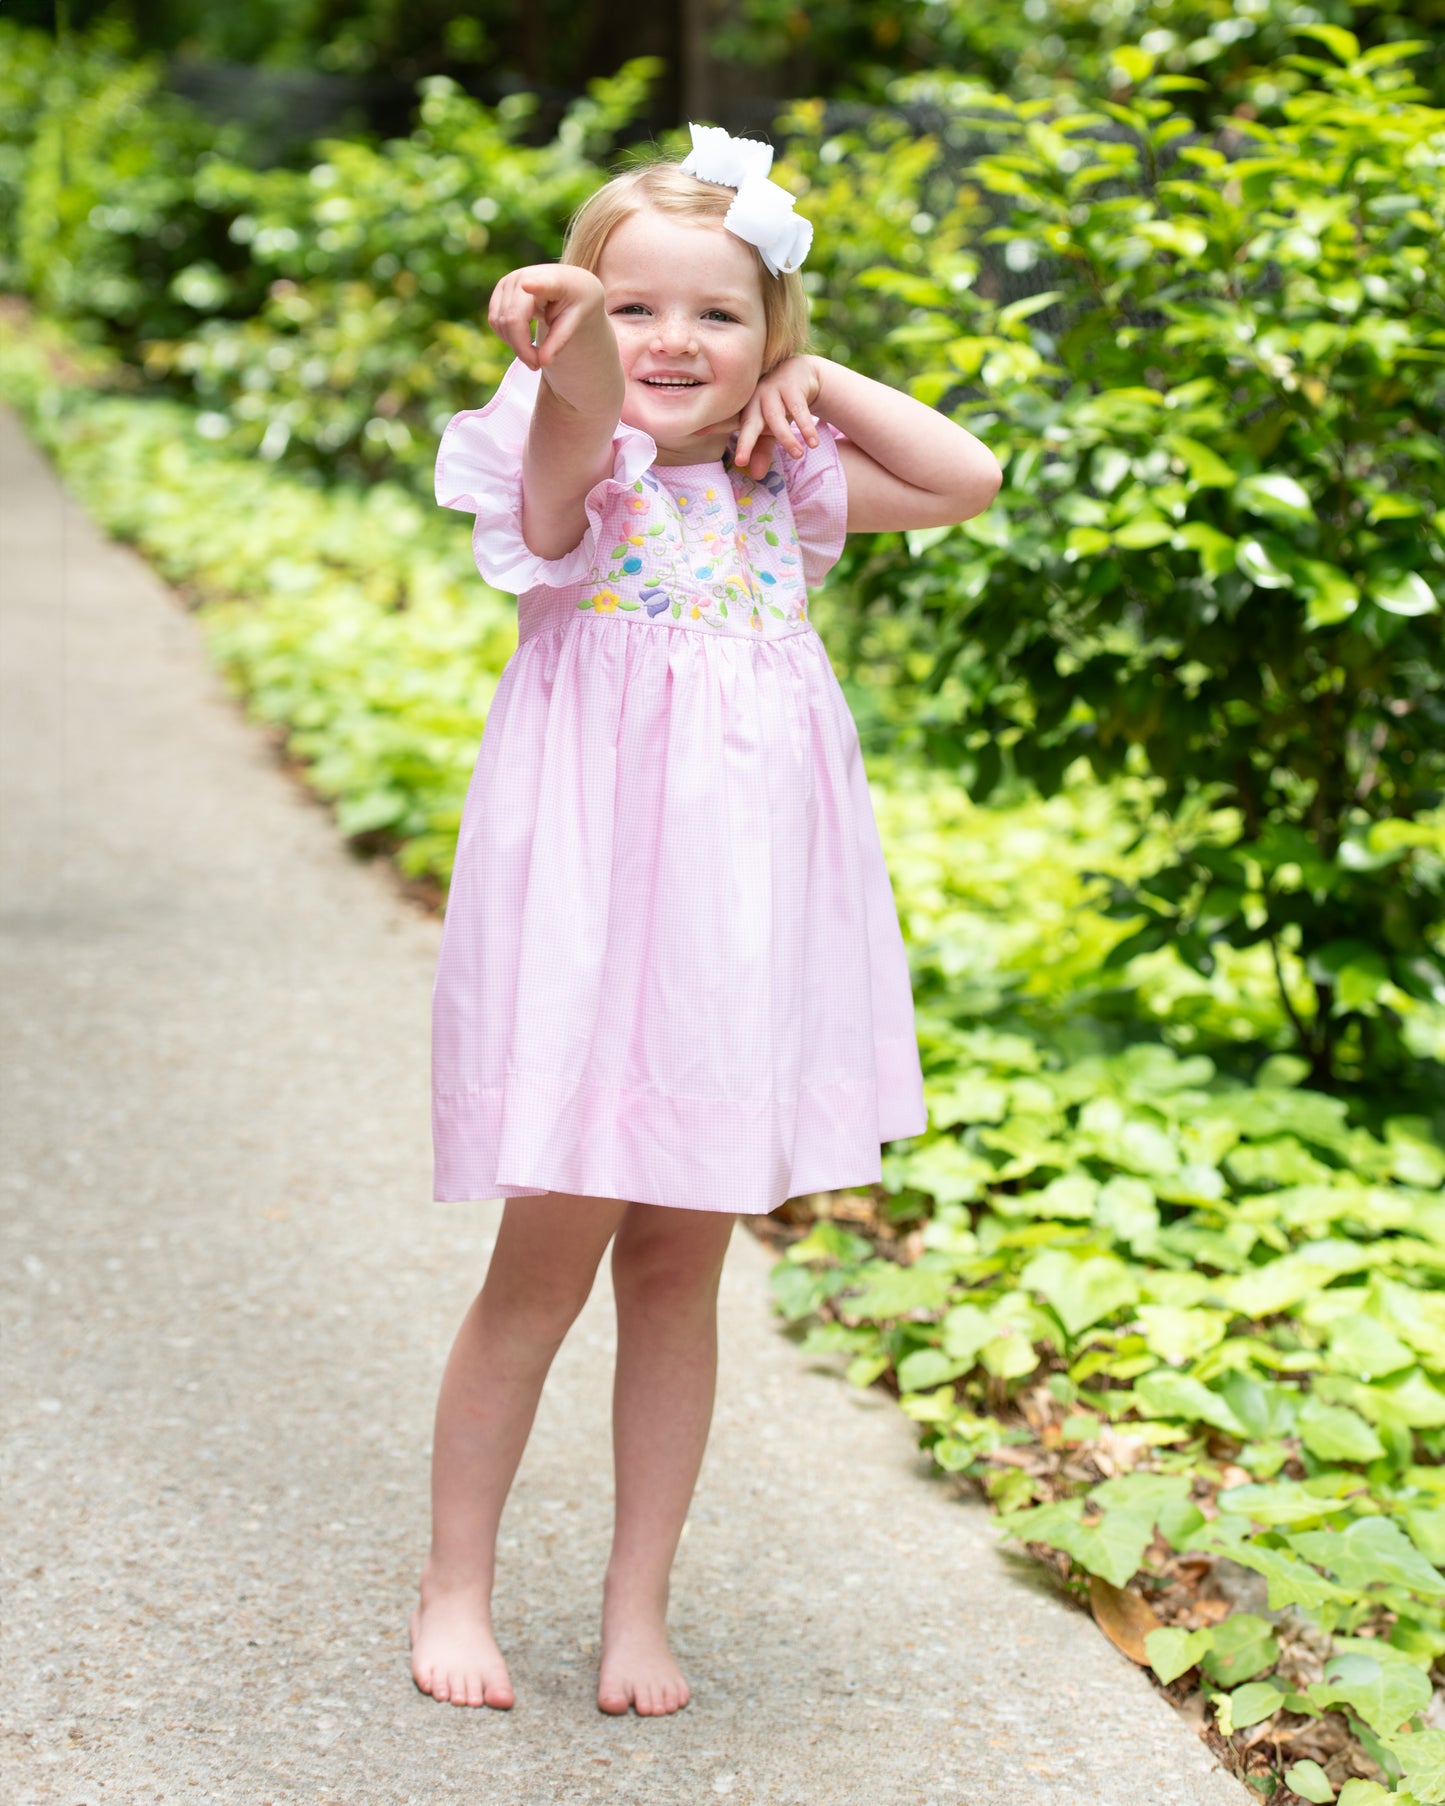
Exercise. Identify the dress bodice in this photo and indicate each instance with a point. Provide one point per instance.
(700, 547)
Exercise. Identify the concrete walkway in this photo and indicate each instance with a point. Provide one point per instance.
(227, 1298)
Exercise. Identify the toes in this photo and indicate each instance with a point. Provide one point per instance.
(612, 1698)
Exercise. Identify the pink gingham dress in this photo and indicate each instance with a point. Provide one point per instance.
(671, 969)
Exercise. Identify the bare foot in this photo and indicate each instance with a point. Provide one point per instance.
(454, 1656)
(637, 1665)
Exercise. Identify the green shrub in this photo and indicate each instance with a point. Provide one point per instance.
(1034, 48)
(379, 263)
(97, 167)
(1222, 534)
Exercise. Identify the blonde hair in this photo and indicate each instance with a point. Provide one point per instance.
(669, 189)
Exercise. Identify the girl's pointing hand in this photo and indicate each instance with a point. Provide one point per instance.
(558, 296)
(780, 411)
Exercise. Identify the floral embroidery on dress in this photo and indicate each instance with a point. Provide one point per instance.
(720, 553)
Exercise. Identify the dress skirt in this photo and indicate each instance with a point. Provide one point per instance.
(671, 967)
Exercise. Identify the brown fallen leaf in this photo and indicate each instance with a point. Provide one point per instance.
(1124, 1617)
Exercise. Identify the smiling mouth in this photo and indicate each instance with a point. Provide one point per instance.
(672, 382)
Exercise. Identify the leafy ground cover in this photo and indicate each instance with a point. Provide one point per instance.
(1177, 1315)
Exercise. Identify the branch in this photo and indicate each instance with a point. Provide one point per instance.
(1306, 1040)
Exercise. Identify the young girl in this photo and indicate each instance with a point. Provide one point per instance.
(671, 985)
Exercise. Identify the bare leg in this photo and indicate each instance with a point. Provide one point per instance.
(665, 1269)
(539, 1276)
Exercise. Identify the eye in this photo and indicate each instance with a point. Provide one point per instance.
(718, 313)
(630, 307)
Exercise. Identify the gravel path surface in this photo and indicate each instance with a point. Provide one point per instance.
(227, 1296)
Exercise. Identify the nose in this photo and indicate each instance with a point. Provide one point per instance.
(674, 337)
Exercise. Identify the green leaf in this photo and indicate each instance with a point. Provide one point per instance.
(1364, 1348)
(1330, 596)
(1253, 1703)
(1276, 496)
(1371, 1552)
(371, 810)
(1266, 1410)
(1404, 593)
(1137, 65)
(1207, 470)
(1173, 1652)
(829, 1241)
(1335, 1433)
(1163, 1394)
(1310, 1782)
(1081, 1291)
(966, 1329)
(1256, 564)
(1029, 305)
(1282, 1502)
(1143, 532)
(1426, 1527)
(1009, 1357)
(1384, 1693)
(1108, 468)
(926, 1368)
(1217, 551)
(1086, 542)
(1070, 1195)
(890, 1290)
(1181, 1335)
(946, 1171)
(1147, 1494)
(1422, 1756)
(1371, 1793)
(1243, 1647)
(1178, 1520)
(1296, 1276)
(1291, 1582)
(796, 1291)
(1408, 1399)
(1343, 44)
(923, 539)
(863, 1369)
(1125, 1206)
(1113, 1548)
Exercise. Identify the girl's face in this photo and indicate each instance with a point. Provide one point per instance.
(686, 303)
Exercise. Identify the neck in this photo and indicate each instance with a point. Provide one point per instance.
(706, 448)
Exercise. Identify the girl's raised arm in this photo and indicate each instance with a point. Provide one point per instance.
(906, 464)
(579, 400)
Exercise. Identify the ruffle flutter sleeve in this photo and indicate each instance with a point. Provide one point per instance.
(818, 491)
(479, 470)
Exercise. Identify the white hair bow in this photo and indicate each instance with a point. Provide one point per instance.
(763, 211)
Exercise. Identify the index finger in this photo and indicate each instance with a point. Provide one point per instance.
(511, 320)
